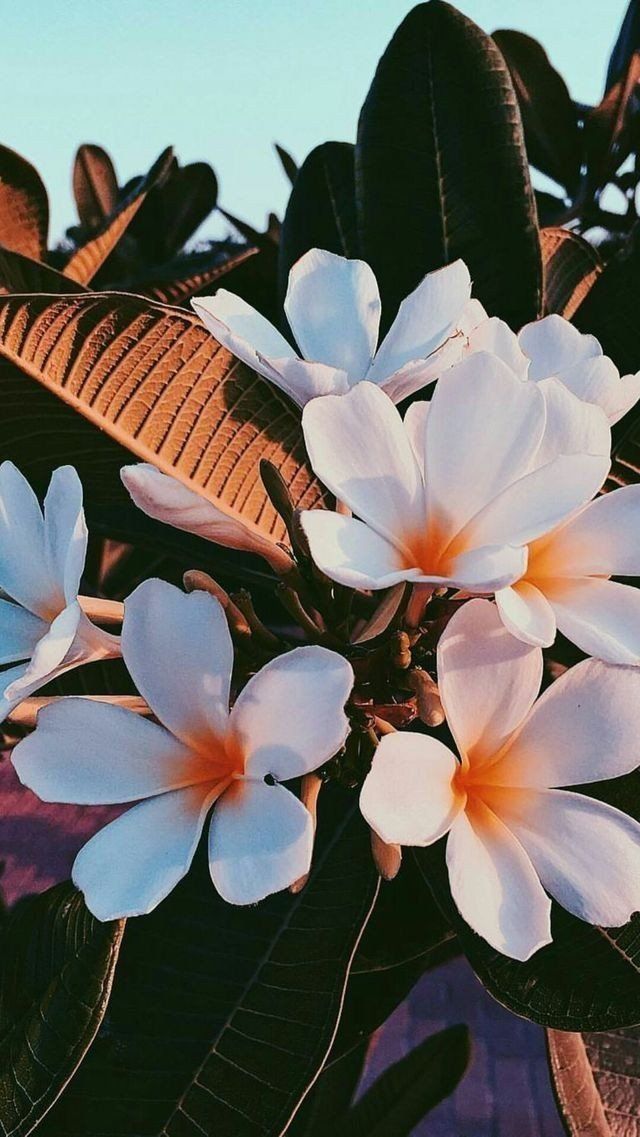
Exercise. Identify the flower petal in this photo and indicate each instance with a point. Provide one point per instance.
(415, 424)
(495, 886)
(488, 680)
(359, 448)
(89, 753)
(20, 631)
(495, 336)
(242, 330)
(136, 860)
(418, 373)
(333, 308)
(600, 616)
(603, 539)
(554, 344)
(597, 380)
(572, 426)
(527, 614)
(618, 402)
(584, 728)
(485, 569)
(290, 718)
(24, 573)
(165, 499)
(483, 429)
(260, 841)
(255, 341)
(65, 534)
(586, 853)
(353, 554)
(425, 319)
(409, 796)
(538, 502)
(179, 652)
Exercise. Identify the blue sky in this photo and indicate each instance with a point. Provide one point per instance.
(223, 79)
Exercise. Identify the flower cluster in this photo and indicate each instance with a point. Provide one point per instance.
(475, 516)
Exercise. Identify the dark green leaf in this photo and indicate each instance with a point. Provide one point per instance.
(57, 965)
(173, 210)
(627, 43)
(406, 923)
(587, 979)
(289, 165)
(95, 185)
(330, 1097)
(441, 167)
(611, 310)
(221, 1017)
(22, 274)
(548, 111)
(409, 1089)
(321, 213)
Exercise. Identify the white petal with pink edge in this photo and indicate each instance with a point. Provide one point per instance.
(179, 652)
(584, 728)
(260, 841)
(488, 680)
(409, 795)
(135, 861)
(495, 886)
(290, 718)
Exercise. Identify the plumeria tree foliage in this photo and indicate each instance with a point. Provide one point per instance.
(342, 632)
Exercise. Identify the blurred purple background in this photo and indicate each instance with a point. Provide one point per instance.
(506, 1091)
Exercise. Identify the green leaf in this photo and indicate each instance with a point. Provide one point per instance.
(409, 1089)
(406, 924)
(596, 1079)
(331, 1095)
(441, 167)
(611, 310)
(222, 1016)
(289, 165)
(321, 213)
(57, 965)
(22, 274)
(626, 45)
(587, 979)
(175, 207)
(548, 112)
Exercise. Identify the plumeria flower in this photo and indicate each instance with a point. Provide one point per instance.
(566, 585)
(288, 720)
(43, 629)
(333, 308)
(453, 495)
(166, 499)
(514, 837)
(553, 347)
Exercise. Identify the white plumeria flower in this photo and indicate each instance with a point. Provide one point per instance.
(43, 630)
(453, 495)
(287, 721)
(566, 585)
(513, 836)
(333, 308)
(554, 348)
(166, 499)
